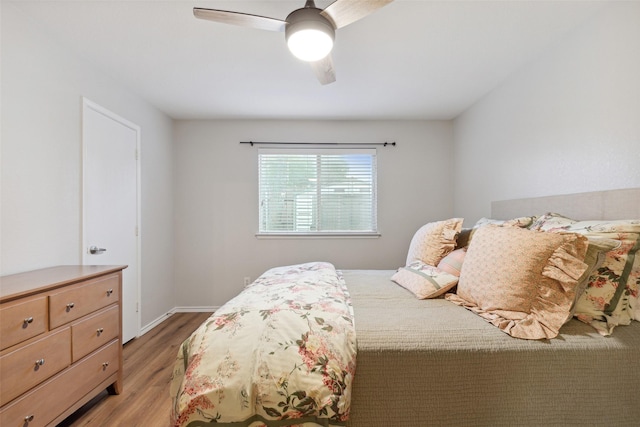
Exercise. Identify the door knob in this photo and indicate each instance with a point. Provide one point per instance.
(96, 250)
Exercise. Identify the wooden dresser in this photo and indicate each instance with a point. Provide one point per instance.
(60, 341)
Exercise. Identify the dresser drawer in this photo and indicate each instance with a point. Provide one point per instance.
(30, 365)
(82, 299)
(94, 331)
(22, 320)
(46, 402)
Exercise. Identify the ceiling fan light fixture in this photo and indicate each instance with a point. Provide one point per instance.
(310, 45)
(309, 35)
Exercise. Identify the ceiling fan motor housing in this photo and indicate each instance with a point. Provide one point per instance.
(308, 18)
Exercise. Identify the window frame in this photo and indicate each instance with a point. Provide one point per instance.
(374, 233)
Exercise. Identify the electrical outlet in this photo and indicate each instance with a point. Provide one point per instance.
(247, 281)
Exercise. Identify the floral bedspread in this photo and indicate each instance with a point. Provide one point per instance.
(281, 353)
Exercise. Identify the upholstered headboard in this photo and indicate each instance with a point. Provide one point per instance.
(610, 204)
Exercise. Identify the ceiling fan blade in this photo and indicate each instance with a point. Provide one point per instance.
(324, 70)
(241, 19)
(344, 12)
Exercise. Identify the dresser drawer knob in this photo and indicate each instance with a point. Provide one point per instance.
(39, 363)
(100, 331)
(27, 321)
(109, 292)
(105, 365)
(28, 418)
(70, 306)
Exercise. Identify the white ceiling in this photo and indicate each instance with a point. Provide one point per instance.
(411, 59)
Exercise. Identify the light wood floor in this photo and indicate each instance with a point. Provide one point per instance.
(148, 362)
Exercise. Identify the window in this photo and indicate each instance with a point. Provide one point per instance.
(317, 191)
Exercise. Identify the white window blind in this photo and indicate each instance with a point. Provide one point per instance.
(317, 191)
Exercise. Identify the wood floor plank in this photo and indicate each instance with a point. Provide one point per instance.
(148, 363)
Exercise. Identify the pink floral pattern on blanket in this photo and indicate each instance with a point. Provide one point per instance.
(283, 352)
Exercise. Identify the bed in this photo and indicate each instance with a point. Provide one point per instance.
(431, 362)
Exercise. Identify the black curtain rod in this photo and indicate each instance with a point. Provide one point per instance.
(384, 144)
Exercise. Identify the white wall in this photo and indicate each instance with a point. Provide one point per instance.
(216, 195)
(42, 88)
(568, 122)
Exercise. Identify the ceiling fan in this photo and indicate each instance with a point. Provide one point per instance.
(309, 31)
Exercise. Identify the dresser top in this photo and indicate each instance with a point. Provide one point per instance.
(24, 284)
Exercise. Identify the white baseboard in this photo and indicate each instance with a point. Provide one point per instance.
(156, 322)
(203, 309)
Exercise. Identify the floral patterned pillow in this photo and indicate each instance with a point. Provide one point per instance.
(612, 294)
(522, 222)
(425, 281)
(596, 254)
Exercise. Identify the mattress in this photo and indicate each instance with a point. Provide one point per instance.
(431, 362)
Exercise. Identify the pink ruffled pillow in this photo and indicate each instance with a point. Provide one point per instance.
(434, 241)
(521, 281)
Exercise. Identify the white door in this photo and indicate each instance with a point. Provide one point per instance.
(111, 201)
